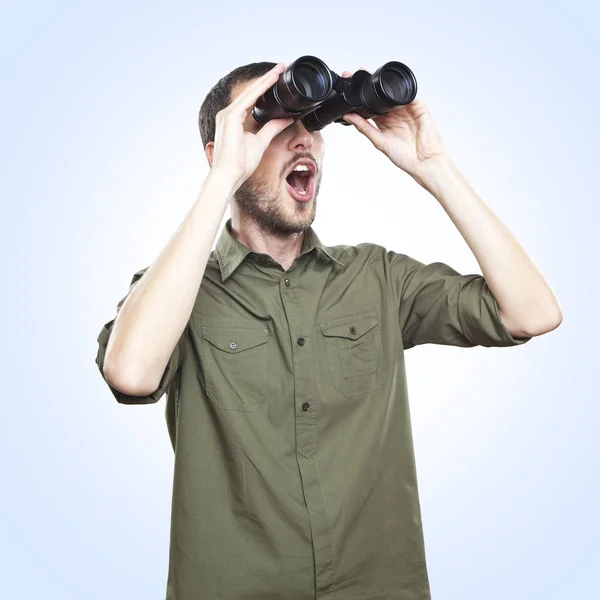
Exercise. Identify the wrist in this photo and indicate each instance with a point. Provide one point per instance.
(217, 187)
(222, 180)
(434, 172)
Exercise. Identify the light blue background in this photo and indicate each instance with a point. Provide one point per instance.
(101, 160)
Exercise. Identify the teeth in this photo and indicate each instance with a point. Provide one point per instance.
(301, 168)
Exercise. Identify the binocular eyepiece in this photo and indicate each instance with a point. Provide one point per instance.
(309, 90)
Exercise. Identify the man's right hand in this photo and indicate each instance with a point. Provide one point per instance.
(237, 153)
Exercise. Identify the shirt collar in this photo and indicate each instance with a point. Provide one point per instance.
(230, 252)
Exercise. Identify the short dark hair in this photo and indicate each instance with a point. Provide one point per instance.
(220, 96)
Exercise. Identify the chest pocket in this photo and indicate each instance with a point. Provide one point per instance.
(235, 366)
(354, 353)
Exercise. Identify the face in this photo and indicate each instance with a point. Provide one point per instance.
(266, 196)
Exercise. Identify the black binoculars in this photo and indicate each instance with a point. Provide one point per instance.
(309, 90)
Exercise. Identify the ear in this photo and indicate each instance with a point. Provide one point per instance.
(210, 148)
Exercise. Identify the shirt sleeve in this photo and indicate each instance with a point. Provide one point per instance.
(438, 305)
(175, 361)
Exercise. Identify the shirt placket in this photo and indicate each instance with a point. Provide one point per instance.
(300, 312)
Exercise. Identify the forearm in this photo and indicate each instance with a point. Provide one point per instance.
(523, 295)
(154, 315)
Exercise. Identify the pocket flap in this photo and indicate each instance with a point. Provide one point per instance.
(351, 328)
(234, 340)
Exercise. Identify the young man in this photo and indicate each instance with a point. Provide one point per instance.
(283, 359)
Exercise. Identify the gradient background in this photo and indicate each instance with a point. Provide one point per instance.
(101, 160)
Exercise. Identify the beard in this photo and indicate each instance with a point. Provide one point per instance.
(269, 210)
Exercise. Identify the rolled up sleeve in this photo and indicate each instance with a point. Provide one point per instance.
(438, 305)
(175, 361)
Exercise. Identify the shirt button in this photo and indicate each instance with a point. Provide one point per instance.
(353, 330)
(287, 283)
(300, 341)
(305, 406)
(233, 344)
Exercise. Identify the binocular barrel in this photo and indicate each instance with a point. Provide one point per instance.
(310, 91)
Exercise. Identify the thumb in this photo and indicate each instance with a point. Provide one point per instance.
(272, 128)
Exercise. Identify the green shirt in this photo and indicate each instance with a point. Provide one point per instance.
(288, 412)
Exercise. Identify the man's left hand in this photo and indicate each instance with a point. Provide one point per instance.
(407, 135)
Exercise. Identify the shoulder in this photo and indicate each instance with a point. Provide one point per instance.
(365, 252)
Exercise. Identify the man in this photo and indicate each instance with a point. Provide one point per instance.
(283, 359)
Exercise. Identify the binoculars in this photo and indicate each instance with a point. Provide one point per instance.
(309, 90)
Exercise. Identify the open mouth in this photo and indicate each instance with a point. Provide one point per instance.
(300, 180)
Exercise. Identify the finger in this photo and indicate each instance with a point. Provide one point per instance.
(247, 99)
(368, 130)
(346, 74)
(272, 128)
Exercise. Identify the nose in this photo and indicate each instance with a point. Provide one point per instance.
(301, 138)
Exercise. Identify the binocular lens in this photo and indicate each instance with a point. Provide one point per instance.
(302, 86)
(309, 82)
(398, 84)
